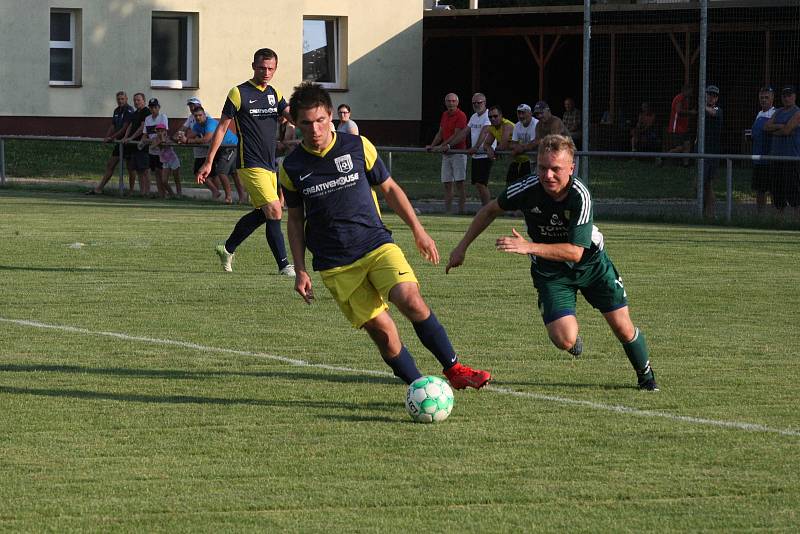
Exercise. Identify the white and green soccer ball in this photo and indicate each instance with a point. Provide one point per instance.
(429, 399)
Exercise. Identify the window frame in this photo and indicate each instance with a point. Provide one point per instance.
(340, 62)
(73, 44)
(191, 80)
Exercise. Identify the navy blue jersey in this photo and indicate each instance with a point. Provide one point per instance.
(122, 115)
(256, 111)
(334, 187)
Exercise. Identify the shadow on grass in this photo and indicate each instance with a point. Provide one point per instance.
(174, 374)
(89, 270)
(193, 399)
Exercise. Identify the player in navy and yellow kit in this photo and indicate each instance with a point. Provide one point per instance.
(567, 253)
(256, 108)
(329, 185)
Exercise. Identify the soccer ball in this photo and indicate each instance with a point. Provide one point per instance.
(429, 399)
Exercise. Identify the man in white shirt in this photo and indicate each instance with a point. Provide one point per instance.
(481, 165)
(522, 141)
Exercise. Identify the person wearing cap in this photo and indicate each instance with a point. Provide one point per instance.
(452, 134)
(199, 152)
(762, 140)
(547, 123)
(713, 145)
(256, 106)
(784, 126)
(522, 141)
(225, 160)
(150, 123)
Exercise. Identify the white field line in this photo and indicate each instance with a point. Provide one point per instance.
(736, 425)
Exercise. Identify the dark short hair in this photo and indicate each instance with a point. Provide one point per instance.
(265, 53)
(139, 94)
(345, 106)
(309, 95)
(198, 108)
(498, 108)
(121, 93)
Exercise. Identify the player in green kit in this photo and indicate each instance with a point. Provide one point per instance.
(567, 254)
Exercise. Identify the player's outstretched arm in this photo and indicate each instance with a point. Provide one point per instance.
(297, 244)
(397, 200)
(481, 222)
(216, 141)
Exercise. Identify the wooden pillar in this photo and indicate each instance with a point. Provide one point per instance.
(612, 76)
(476, 66)
(541, 67)
(767, 51)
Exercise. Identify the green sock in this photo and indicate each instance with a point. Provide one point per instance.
(637, 352)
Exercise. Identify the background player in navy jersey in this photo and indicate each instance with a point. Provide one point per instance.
(567, 253)
(333, 210)
(256, 107)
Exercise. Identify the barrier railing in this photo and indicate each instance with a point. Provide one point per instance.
(390, 150)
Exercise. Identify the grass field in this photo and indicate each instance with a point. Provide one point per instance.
(143, 389)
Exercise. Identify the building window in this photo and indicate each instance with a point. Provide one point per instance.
(324, 51)
(64, 47)
(173, 47)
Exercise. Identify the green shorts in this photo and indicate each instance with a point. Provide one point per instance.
(599, 282)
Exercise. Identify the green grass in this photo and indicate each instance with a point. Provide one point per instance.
(417, 172)
(104, 433)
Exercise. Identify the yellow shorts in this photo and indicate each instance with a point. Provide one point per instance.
(261, 184)
(361, 289)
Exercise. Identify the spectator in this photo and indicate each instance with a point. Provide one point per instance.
(499, 132)
(678, 138)
(139, 160)
(643, 136)
(120, 119)
(481, 165)
(199, 152)
(225, 159)
(761, 147)
(170, 163)
(785, 129)
(346, 125)
(549, 124)
(451, 135)
(522, 141)
(713, 145)
(572, 120)
(154, 119)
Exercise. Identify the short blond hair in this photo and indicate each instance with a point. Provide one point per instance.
(557, 143)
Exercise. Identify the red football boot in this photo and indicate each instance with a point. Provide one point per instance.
(461, 376)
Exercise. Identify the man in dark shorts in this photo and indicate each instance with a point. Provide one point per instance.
(567, 254)
(784, 126)
(480, 163)
(139, 161)
(120, 119)
(224, 161)
(762, 141)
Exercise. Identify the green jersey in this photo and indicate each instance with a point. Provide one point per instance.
(550, 221)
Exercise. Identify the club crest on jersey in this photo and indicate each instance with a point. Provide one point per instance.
(344, 163)
(271, 99)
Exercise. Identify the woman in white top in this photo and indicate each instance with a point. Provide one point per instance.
(345, 124)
